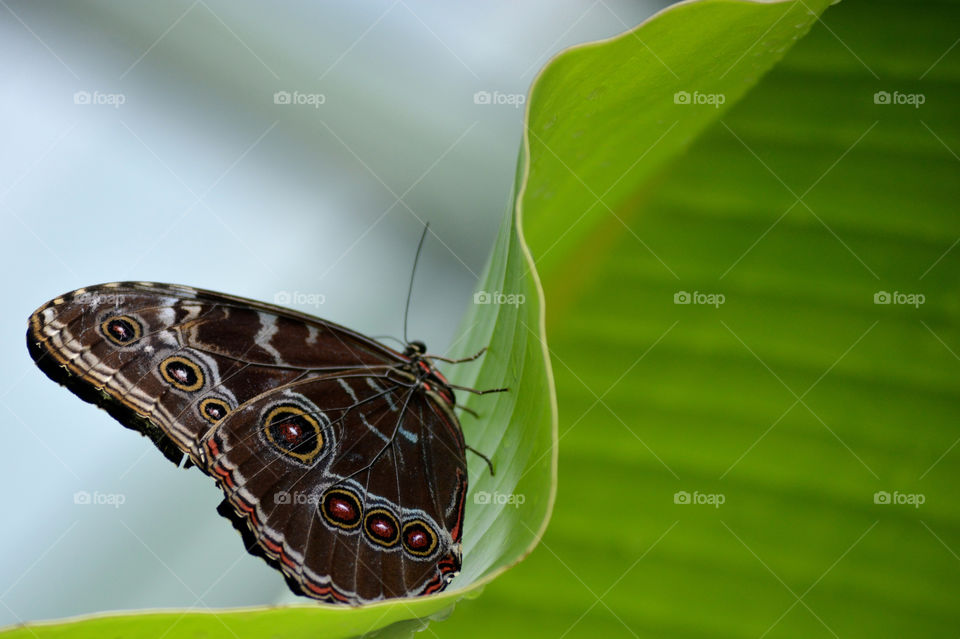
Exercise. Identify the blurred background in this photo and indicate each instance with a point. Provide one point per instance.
(284, 151)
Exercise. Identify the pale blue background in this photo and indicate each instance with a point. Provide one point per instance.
(199, 178)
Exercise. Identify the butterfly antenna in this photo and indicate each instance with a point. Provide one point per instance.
(416, 258)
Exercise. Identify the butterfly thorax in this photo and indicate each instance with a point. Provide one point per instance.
(425, 374)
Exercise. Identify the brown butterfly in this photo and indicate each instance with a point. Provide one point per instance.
(342, 460)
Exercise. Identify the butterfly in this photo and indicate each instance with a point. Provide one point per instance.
(342, 461)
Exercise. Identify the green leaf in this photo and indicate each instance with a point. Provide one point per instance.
(799, 398)
(604, 117)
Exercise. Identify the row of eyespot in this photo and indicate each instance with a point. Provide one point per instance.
(180, 372)
(341, 508)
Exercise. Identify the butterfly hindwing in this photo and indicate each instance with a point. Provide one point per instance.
(333, 476)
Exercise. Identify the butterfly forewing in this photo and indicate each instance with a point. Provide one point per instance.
(182, 358)
(338, 461)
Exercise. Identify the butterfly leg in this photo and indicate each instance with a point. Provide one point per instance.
(479, 392)
(473, 357)
(469, 411)
(481, 456)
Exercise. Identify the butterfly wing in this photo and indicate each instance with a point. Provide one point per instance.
(270, 401)
(172, 361)
(352, 484)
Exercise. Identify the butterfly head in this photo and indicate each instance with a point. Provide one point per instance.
(414, 349)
